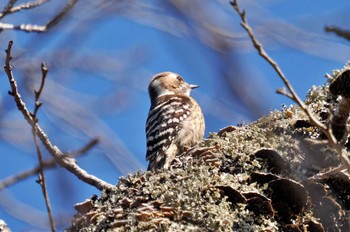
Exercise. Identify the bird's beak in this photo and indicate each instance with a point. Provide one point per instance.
(194, 86)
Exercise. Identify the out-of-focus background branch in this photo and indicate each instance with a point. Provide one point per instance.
(100, 57)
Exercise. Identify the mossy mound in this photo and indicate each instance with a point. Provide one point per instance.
(255, 177)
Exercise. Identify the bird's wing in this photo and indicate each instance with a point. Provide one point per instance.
(163, 124)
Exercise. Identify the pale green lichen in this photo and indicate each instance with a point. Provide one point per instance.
(189, 198)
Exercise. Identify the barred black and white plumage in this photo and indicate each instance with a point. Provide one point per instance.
(175, 120)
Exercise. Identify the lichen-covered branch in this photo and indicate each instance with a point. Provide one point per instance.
(262, 183)
(327, 130)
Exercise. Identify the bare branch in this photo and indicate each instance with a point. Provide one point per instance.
(84, 149)
(46, 165)
(7, 8)
(338, 31)
(284, 92)
(33, 27)
(61, 14)
(22, 27)
(24, 6)
(313, 120)
(323, 175)
(66, 162)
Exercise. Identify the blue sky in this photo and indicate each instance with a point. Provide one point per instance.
(100, 62)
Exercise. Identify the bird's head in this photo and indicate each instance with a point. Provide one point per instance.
(168, 83)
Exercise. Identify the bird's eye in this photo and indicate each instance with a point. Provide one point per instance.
(179, 79)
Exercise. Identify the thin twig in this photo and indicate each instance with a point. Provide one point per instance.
(51, 163)
(85, 148)
(61, 14)
(42, 179)
(37, 94)
(7, 8)
(327, 174)
(284, 92)
(313, 120)
(66, 162)
(23, 6)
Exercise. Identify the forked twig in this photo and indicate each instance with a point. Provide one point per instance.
(327, 130)
(64, 161)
